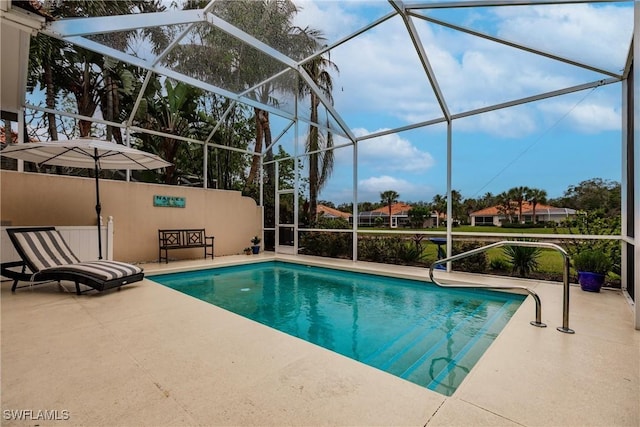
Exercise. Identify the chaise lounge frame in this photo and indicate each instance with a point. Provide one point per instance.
(49, 248)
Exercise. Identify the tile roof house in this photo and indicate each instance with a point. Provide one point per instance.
(328, 212)
(3, 135)
(399, 216)
(495, 215)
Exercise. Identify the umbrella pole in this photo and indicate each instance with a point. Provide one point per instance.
(98, 207)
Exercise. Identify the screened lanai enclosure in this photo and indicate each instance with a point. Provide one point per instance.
(300, 103)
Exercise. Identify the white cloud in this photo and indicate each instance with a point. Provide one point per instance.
(369, 189)
(328, 16)
(380, 75)
(389, 153)
(590, 117)
(594, 34)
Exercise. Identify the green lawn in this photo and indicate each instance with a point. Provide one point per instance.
(550, 261)
(469, 228)
(494, 229)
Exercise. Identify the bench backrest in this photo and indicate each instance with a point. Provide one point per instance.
(181, 238)
(41, 247)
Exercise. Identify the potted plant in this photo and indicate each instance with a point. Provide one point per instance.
(247, 251)
(592, 267)
(255, 242)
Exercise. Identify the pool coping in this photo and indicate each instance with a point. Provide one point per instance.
(471, 347)
(158, 357)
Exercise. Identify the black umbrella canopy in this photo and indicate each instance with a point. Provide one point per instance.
(88, 153)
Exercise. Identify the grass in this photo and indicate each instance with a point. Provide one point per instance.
(476, 229)
(494, 229)
(550, 262)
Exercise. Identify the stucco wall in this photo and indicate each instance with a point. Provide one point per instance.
(41, 199)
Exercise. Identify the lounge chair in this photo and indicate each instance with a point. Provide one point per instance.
(47, 257)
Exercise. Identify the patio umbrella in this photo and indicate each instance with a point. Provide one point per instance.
(85, 153)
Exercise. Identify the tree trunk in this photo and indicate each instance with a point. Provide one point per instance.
(50, 100)
(170, 149)
(313, 161)
(86, 104)
(257, 150)
(266, 132)
(112, 108)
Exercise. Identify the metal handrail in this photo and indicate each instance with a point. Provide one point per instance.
(538, 322)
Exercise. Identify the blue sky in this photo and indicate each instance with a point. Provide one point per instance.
(549, 144)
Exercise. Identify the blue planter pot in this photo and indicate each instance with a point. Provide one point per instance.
(255, 249)
(590, 282)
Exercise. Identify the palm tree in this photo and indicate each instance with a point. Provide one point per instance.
(318, 143)
(536, 196)
(389, 197)
(518, 195)
(439, 204)
(488, 199)
(456, 205)
(92, 79)
(505, 207)
(523, 259)
(174, 113)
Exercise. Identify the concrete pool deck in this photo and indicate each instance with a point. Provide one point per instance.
(151, 356)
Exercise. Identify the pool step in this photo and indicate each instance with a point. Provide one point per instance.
(401, 352)
(449, 363)
(426, 357)
(478, 343)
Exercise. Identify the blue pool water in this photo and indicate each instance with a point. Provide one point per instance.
(415, 330)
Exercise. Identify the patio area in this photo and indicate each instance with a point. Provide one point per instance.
(148, 355)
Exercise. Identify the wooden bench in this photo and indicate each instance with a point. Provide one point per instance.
(182, 239)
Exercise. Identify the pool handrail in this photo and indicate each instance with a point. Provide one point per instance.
(538, 322)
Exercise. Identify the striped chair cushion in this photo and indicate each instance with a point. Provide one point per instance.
(45, 249)
(103, 270)
(48, 252)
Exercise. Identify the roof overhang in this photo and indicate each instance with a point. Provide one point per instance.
(16, 27)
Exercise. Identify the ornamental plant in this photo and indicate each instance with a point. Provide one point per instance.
(592, 261)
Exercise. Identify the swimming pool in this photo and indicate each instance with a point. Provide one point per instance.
(415, 330)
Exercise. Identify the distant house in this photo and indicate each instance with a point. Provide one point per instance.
(3, 136)
(399, 217)
(544, 213)
(328, 212)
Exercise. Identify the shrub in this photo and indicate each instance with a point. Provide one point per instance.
(499, 264)
(523, 259)
(328, 244)
(371, 249)
(408, 253)
(596, 223)
(391, 250)
(473, 264)
(525, 225)
(592, 261)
